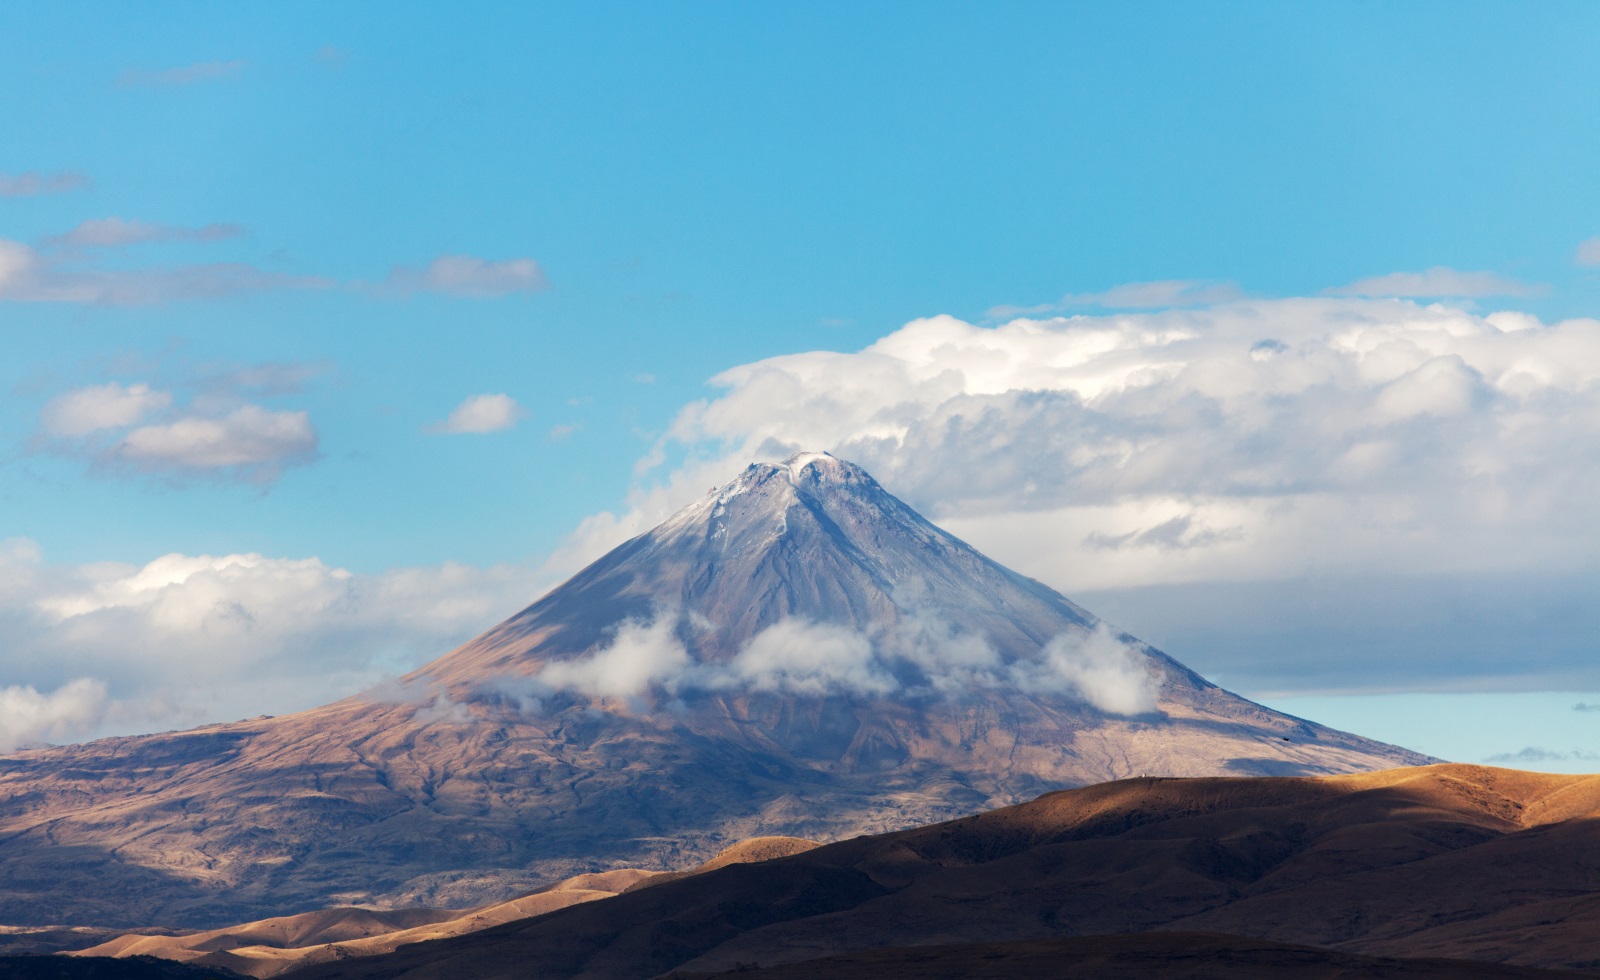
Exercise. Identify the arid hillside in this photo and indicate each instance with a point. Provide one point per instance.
(276, 946)
(1446, 862)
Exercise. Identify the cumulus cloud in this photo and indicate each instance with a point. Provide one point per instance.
(203, 71)
(468, 275)
(85, 410)
(119, 232)
(216, 434)
(185, 639)
(1256, 440)
(33, 183)
(250, 442)
(29, 719)
(480, 414)
(1436, 282)
(1589, 251)
(27, 276)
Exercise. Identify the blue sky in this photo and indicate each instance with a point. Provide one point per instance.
(338, 223)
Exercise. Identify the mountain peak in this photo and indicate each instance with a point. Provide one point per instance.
(812, 568)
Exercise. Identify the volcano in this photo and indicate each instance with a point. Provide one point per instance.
(797, 653)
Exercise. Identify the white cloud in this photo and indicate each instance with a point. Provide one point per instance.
(139, 429)
(118, 232)
(251, 442)
(639, 655)
(185, 639)
(801, 657)
(1589, 251)
(1437, 281)
(204, 71)
(85, 410)
(479, 414)
(33, 184)
(28, 718)
(1098, 667)
(468, 275)
(919, 657)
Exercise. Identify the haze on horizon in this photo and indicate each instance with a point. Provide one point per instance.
(335, 336)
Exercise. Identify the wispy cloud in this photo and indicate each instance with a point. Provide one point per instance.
(1589, 251)
(1535, 753)
(270, 379)
(203, 71)
(479, 414)
(118, 232)
(467, 275)
(33, 184)
(1178, 533)
(1437, 282)
(28, 276)
(70, 268)
(1156, 294)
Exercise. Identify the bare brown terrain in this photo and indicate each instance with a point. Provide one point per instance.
(472, 780)
(1450, 862)
(1192, 956)
(274, 946)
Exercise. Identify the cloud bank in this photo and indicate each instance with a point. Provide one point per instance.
(469, 276)
(183, 639)
(1254, 440)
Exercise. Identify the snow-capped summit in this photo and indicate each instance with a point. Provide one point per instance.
(812, 539)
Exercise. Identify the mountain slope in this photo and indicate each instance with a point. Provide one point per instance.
(275, 946)
(1392, 863)
(798, 653)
